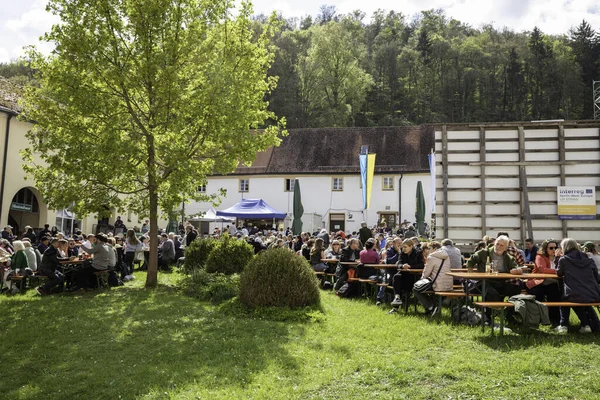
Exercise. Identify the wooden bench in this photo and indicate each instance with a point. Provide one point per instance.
(18, 278)
(102, 278)
(501, 305)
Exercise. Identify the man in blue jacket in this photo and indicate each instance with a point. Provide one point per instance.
(531, 251)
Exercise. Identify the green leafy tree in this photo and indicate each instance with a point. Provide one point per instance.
(142, 99)
(586, 47)
(332, 79)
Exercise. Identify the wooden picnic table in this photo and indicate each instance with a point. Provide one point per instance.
(67, 267)
(71, 262)
(484, 277)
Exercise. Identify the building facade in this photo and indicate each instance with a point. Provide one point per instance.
(325, 162)
(21, 204)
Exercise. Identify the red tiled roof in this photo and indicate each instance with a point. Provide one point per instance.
(335, 150)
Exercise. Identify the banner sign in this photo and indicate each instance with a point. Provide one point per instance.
(367, 171)
(431, 158)
(20, 207)
(575, 202)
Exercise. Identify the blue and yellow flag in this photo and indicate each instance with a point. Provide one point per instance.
(367, 171)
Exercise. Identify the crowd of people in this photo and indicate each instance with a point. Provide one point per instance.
(44, 254)
(575, 266)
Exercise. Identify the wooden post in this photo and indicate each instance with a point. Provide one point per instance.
(524, 192)
(563, 180)
(482, 184)
(445, 177)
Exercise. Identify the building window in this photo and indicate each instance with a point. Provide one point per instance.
(338, 184)
(388, 183)
(202, 188)
(244, 185)
(289, 185)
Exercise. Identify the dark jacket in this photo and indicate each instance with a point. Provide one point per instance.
(325, 237)
(306, 252)
(19, 260)
(6, 235)
(364, 234)
(190, 237)
(580, 277)
(409, 233)
(392, 256)
(533, 313)
(42, 248)
(414, 259)
(531, 254)
(50, 260)
(298, 245)
(44, 232)
(31, 236)
(349, 255)
(479, 259)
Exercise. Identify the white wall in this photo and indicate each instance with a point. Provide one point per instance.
(317, 196)
(16, 180)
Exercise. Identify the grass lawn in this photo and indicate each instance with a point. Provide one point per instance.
(159, 344)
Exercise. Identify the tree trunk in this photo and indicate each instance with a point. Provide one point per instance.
(152, 277)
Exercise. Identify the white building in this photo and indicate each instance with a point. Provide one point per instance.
(325, 161)
(21, 203)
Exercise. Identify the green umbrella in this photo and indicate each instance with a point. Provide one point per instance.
(420, 209)
(298, 209)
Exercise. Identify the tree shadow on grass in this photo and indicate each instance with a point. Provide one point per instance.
(130, 342)
(527, 339)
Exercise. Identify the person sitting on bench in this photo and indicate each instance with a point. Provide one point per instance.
(49, 266)
(100, 251)
(498, 289)
(580, 280)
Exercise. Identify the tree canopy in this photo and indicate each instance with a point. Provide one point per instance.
(142, 99)
(429, 69)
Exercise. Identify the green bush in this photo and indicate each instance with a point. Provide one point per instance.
(197, 253)
(279, 278)
(212, 287)
(229, 256)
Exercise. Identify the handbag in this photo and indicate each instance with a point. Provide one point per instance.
(425, 284)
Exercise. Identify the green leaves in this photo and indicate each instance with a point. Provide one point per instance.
(184, 80)
(142, 99)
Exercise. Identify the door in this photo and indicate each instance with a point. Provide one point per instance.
(337, 222)
(390, 219)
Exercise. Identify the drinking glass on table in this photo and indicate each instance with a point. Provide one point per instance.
(494, 268)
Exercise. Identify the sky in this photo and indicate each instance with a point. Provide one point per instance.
(22, 22)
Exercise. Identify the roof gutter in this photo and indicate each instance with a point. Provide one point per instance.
(9, 117)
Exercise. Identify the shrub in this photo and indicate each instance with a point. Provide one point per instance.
(279, 278)
(229, 256)
(197, 253)
(212, 287)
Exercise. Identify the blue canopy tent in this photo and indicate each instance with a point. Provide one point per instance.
(252, 209)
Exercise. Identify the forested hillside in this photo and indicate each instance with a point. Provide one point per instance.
(349, 70)
(389, 69)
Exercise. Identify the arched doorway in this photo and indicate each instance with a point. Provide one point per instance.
(24, 210)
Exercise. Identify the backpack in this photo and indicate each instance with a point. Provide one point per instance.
(467, 315)
(347, 290)
(113, 279)
(532, 312)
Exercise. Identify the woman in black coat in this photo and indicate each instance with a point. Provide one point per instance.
(580, 280)
(403, 282)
